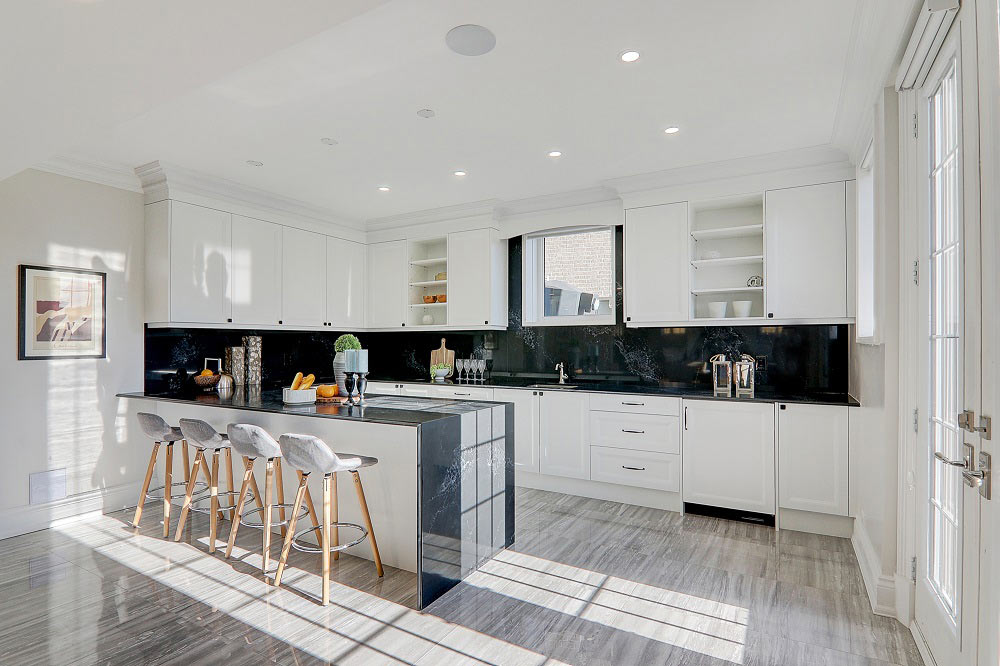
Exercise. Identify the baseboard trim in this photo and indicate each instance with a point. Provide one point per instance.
(880, 587)
(33, 517)
(654, 499)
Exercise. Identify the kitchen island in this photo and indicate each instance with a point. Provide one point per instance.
(442, 495)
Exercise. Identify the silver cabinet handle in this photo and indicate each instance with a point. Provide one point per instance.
(685, 417)
(947, 461)
(457, 393)
(637, 469)
(634, 404)
(634, 432)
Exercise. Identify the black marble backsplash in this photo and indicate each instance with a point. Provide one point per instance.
(793, 359)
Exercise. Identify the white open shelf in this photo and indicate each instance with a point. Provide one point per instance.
(428, 305)
(727, 290)
(427, 277)
(429, 262)
(429, 283)
(741, 231)
(729, 261)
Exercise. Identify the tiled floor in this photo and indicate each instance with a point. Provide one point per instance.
(588, 582)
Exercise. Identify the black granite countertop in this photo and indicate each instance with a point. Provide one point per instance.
(677, 389)
(410, 411)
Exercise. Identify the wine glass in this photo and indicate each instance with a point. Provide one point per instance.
(459, 367)
(481, 368)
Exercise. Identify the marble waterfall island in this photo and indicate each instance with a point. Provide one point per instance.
(442, 494)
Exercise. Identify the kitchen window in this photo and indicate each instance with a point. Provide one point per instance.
(569, 277)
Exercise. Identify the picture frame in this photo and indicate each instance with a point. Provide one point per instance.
(61, 313)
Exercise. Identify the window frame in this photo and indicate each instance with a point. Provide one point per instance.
(867, 170)
(533, 280)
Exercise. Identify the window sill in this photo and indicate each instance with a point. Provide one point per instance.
(602, 320)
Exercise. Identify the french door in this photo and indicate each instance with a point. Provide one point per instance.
(948, 499)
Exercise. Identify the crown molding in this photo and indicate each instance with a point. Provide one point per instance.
(93, 171)
(486, 207)
(163, 180)
(816, 156)
(540, 204)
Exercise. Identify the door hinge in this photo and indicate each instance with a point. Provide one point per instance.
(913, 569)
(916, 420)
(916, 272)
(914, 126)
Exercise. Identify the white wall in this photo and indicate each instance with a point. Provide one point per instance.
(63, 413)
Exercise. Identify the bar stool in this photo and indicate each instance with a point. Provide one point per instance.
(160, 431)
(203, 437)
(311, 454)
(252, 442)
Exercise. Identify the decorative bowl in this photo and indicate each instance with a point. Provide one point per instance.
(442, 298)
(441, 373)
(298, 396)
(717, 309)
(206, 382)
(429, 299)
(742, 308)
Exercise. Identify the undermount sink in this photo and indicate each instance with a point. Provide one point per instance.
(561, 387)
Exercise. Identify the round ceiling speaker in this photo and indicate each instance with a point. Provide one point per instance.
(470, 40)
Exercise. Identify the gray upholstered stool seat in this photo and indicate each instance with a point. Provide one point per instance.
(252, 442)
(161, 432)
(204, 437)
(311, 455)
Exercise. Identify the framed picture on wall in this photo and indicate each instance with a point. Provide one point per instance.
(61, 313)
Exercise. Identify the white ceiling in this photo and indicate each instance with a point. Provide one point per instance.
(739, 79)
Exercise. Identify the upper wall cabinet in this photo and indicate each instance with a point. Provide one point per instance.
(386, 292)
(345, 284)
(189, 270)
(256, 262)
(806, 235)
(656, 264)
(477, 279)
(303, 278)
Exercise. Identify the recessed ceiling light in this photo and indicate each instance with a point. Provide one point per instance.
(328, 141)
(470, 40)
(383, 188)
(460, 173)
(426, 113)
(672, 130)
(629, 56)
(255, 163)
(555, 153)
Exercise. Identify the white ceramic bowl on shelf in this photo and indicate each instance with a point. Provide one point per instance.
(717, 309)
(299, 396)
(742, 308)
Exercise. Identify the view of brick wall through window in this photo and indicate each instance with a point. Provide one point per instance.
(582, 260)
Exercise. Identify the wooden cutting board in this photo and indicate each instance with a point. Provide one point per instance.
(444, 355)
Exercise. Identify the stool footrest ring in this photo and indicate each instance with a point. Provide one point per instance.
(309, 548)
(157, 492)
(233, 495)
(259, 525)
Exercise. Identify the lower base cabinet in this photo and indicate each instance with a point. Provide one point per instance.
(642, 469)
(728, 450)
(563, 437)
(525, 426)
(813, 458)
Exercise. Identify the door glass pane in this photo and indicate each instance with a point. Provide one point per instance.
(945, 343)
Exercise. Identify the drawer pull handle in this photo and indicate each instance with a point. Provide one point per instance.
(637, 469)
(457, 393)
(634, 432)
(634, 404)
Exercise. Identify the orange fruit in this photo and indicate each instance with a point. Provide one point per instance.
(207, 373)
(326, 391)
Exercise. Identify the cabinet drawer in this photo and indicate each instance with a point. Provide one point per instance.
(643, 469)
(640, 432)
(635, 404)
(462, 392)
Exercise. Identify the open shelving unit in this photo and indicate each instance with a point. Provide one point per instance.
(727, 250)
(428, 277)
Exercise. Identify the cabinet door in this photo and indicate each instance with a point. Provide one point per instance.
(460, 392)
(806, 253)
(469, 278)
(382, 388)
(563, 425)
(525, 426)
(657, 266)
(729, 455)
(417, 390)
(386, 284)
(345, 284)
(256, 271)
(812, 458)
(200, 269)
(303, 281)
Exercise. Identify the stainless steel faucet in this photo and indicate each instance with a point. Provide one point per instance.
(562, 375)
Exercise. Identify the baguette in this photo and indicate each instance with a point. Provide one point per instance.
(307, 382)
(297, 382)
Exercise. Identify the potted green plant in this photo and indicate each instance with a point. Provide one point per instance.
(343, 343)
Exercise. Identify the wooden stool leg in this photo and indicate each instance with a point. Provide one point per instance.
(336, 516)
(309, 504)
(213, 523)
(268, 503)
(199, 458)
(281, 494)
(283, 560)
(187, 463)
(168, 480)
(208, 478)
(229, 479)
(325, 545)
(258, 500)
(145, 485)
(247, 475)
(368, 522)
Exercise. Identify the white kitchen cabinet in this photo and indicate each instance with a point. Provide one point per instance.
(477, 279)
(387, 284)
(638, 432)
(460, 392)
(257, 275)
(417, 390)
(345, 284)
(641, 469)
(382, 388)
(525, 426)
(199, 264)
(806, 248)
(728, 452)
(813, 458)
(563, 440)
(657, 265)
(303, 278)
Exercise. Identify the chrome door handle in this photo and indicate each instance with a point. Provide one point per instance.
(948, 461)
(973, 478)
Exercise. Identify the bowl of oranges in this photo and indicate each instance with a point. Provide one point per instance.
(206, 379)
